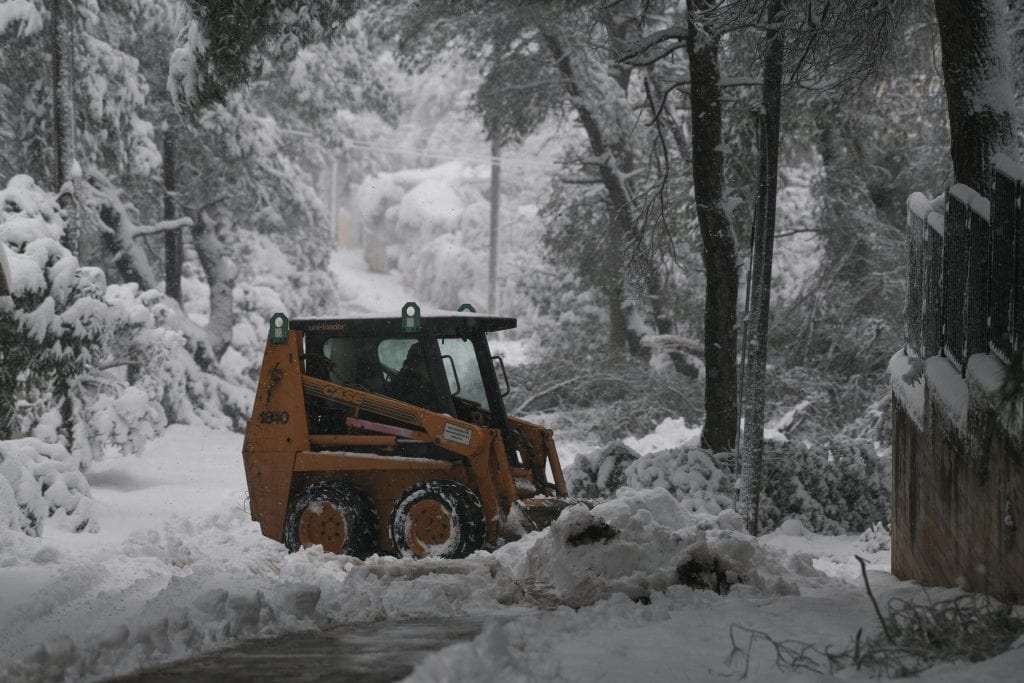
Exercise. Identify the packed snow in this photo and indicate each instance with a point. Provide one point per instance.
(174, 566)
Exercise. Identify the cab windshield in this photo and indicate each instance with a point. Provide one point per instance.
(465, 382)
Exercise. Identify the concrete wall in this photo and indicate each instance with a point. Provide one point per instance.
(958, 494)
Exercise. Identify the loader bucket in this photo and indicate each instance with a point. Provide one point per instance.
(534, 514)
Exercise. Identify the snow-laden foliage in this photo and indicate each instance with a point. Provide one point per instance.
(834, 488)
(149, 337)
(39, 482)
(51, 329)
(20, 16)
(693, 476)
(222, 45)
(87, 364)
(433, 226)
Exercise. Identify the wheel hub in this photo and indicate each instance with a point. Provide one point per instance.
(323, 524)
(430, 525)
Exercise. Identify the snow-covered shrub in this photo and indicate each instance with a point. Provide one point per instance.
(835, 488)
(40, 481)
(698, 479)
(160, 348)
(51, 327)
(594, 475)
(110, 365)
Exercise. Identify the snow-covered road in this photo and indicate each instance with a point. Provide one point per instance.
(378, 652)
(178, 569)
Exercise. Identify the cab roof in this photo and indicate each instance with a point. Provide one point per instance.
(439, 325)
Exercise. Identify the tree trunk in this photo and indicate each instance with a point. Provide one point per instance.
(220, 274)
(979, 87)
(129, 257)
(761, 279)
(62, 55)
(172, 238)
(618, 198)
(718, 248)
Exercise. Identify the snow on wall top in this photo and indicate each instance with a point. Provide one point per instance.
(919, 205)
(963, 193)
(982, 207)
(947, 389)
(1008, 167)
(971, 198)
(905, 376)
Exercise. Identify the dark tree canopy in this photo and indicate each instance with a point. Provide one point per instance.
(226, 42)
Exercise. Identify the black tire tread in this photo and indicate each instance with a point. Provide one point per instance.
(461, 502)
(361, 521)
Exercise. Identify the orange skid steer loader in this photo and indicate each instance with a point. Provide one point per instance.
(390, 435)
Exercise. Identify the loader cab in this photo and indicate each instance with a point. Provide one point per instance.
(443, 364)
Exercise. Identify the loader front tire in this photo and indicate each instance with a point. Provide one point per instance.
(340, 518)
(438, 518)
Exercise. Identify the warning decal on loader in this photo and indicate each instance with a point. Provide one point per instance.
(453, 432)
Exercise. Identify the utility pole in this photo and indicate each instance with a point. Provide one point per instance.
(334, 202)
(492, 274)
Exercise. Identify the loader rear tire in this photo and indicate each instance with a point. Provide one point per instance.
(438, 518)
(340, 518)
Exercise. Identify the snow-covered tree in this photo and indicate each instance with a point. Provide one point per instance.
(223, 45)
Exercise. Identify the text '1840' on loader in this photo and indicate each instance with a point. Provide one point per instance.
(390, 435)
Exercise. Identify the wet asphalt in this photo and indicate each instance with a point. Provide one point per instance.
(378, 652)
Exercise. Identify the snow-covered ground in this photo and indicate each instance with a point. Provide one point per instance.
(176, 567)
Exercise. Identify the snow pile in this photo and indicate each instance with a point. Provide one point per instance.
(40, 481)
(671, 432)
(696, 478)
(646, 541)
(833, 488)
